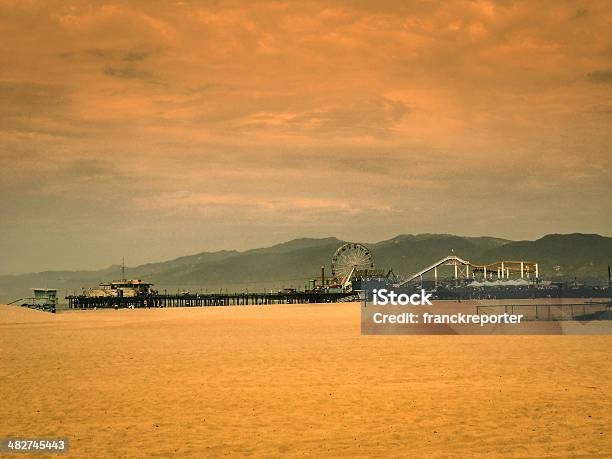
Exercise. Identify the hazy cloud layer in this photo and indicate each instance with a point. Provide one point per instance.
(154, 129)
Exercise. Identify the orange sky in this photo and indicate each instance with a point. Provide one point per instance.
(156, 129)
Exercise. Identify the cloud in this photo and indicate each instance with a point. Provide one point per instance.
(375, 116)
(31, 107)
(603, 109)
(108, 54)
(580, 13)
(90, 168)
(130, 72)
(32, 96)
(302, 115)
(133, 56)
(601, 76)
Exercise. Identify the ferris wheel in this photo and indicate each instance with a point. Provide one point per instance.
(349, 257)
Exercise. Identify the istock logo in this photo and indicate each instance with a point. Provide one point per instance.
(383, 297)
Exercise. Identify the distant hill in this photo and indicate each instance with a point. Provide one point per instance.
(409, 253)
(294, 262)
(561, 255)
(186, 262)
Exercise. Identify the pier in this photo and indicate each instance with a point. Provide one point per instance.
(592, 310)
(207, 299)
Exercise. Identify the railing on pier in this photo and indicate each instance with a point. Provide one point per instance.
(601, 310)
(211, 299)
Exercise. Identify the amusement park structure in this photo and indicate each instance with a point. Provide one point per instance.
(502, 279)
(353, 263)
(466, 270)
(348, 260)
(354, 260)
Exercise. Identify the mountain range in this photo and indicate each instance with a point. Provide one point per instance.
(585, 256)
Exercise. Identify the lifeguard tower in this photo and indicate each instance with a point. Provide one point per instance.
(44, 298)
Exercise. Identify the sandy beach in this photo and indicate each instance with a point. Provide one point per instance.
(296, 380)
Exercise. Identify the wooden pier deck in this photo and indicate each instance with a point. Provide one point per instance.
(207, 299)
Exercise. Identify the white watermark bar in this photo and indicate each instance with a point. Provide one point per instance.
(387, 312)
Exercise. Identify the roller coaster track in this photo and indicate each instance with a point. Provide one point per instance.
(503, 269)
(450, 260)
